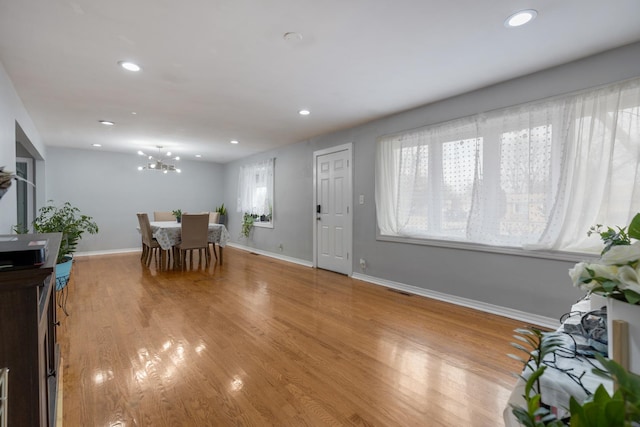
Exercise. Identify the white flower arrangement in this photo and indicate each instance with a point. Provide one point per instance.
(617, 273)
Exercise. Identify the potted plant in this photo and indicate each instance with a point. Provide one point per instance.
(223, 214)
(178, 214)
(247, 224)
(622, 409)
(68, 220)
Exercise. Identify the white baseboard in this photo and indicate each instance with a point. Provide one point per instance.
(534, 319)
(108, 252)
(272, 254)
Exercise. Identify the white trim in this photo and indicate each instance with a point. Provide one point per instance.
(107, 252)
(535, 319)
(349, 148)
(298, 261)
(31, 189)
(263, 224)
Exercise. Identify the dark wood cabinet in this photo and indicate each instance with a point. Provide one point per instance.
(28, 344)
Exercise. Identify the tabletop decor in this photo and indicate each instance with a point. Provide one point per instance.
(616, 276)
(178, 214)
(223, 214)
(617, 273)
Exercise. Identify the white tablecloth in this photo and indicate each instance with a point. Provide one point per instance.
(167, 233)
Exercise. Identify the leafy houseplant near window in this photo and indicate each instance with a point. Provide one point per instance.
(247, 224)
(67, 220)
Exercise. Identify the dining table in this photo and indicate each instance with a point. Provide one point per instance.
(168, 234)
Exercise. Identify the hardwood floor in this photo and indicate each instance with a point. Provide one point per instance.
(261, 342)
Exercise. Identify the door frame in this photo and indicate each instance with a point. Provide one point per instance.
(349, 243)
(31, 191)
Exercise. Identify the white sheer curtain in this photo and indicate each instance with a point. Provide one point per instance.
(600, 176)
(535, 176)
(255, 187)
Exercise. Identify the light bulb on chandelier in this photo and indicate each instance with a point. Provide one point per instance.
(159, 162)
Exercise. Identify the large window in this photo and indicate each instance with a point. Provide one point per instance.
(535, 176)
(255, 191)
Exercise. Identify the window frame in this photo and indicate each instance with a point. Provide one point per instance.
(490, 153)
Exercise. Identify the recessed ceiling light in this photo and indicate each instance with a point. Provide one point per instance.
(130, 66)
(234, 141)
(198, 155)
(520, 18)
(134, 113)
(106, 122)
(304, 112)
(96, 145)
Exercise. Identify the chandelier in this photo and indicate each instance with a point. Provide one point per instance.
(159, 162)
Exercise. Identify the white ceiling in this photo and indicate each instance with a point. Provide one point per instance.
(216, 70)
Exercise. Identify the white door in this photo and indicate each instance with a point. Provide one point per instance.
(333, 209)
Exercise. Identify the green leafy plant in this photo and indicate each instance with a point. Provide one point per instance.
(177, 213)
(618, 236)
(221, 209)
(19, 229)
(536, 345)
(247, 224)
(600, 410)
(67, 220)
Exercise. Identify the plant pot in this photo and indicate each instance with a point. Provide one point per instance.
(179, 219)
(63, 270)
(630, 313)
(222, 219)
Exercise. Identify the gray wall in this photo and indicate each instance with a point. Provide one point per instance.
(108, 187)
(534, 285)
(292, 185)
(12, 114)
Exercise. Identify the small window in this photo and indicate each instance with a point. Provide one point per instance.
(255, 192)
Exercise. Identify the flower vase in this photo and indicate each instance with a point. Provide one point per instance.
(597, 301)
(630, 313)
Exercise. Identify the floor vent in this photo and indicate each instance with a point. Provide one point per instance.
(397, 291)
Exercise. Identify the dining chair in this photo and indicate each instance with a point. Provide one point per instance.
(163, 216)
(194, 235)
(214, 218)
(150, 245)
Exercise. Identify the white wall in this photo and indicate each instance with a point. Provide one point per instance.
(108, 187)
(532, 285)
(11, 111)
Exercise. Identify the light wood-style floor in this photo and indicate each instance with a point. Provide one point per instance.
(261, 342)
